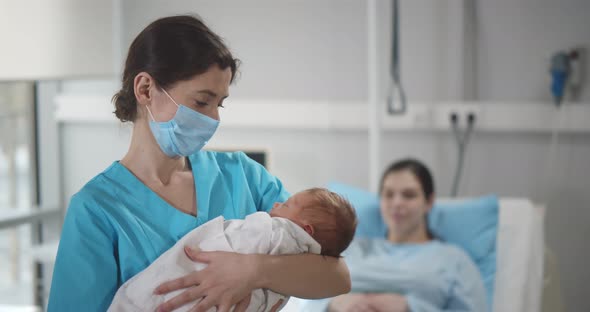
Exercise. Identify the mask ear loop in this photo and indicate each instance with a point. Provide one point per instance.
(152, 116)
(150, 112)
(170, 98)
(186, 161)
(168, 95)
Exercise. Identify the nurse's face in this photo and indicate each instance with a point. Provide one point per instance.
(203, 93)
(403, 203)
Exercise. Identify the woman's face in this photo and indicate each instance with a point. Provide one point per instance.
(203, 93)
(403, 203)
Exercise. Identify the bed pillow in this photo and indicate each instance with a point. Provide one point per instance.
(366, 204)
(472, 224)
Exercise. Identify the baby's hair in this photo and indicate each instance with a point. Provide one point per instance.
(333, 218)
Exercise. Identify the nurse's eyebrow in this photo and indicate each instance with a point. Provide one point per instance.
(210, 93)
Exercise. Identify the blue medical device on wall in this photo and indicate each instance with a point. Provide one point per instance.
(560, 70)
(567, 74)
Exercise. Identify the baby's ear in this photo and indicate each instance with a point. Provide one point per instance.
(309, 229)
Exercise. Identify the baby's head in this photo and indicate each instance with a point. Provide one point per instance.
(325, 215)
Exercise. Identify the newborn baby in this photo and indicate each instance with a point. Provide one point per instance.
(314, 221)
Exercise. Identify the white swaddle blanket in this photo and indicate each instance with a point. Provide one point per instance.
(257, 234)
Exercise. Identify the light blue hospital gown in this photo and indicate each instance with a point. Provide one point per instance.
(432, 276)
(116, 226)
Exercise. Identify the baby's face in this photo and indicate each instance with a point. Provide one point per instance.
(291, 209)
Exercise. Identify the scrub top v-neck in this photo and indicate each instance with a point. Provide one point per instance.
(115, 226)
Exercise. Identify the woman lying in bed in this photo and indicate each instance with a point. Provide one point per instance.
(409, 269)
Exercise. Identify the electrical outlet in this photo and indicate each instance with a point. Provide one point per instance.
(460, 113)
(472, 113)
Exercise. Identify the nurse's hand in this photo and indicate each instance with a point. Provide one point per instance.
(228, 280)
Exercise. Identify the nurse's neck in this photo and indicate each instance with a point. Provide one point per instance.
(146, 160)
(418, 235)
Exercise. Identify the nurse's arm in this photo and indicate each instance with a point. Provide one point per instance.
(229, 278)
(306, 276)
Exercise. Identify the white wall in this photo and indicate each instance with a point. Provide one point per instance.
(506, 164)
(308, 49)
(516, 41)
(294, 49)
(316, 50)
(56, 39)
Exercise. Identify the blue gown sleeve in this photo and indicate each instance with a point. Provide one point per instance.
(415, 304)
(467, 293)
(375, 274)
(266, 188)
(85, 276)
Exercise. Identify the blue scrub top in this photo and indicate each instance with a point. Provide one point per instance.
(116, 226)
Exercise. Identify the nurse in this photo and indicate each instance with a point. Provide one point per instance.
(176, 77)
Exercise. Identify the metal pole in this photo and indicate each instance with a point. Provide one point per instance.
(374, 122)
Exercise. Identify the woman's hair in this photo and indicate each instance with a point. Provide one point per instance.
(418, 169)
(170, 49)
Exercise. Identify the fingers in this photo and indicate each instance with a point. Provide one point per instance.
(193, 253)
(185, 297)
(224, 305)
(224, 308)
(205, 304)
(196, 255)
(193, 279)
(224, 281)
(243, 305)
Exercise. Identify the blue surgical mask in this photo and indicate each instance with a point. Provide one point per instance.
(185, 134)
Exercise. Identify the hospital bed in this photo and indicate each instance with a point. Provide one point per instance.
(523, 283)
